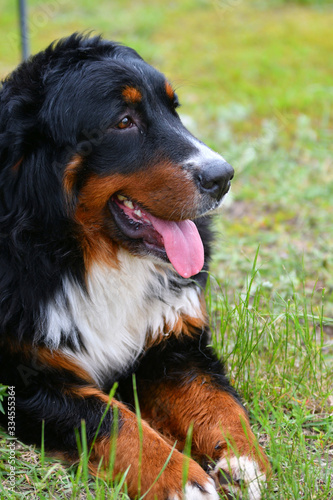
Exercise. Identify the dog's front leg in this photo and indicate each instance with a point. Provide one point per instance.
(51, 388)
(182, 383)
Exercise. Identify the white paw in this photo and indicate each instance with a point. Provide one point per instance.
(243, 469)
(194, 491)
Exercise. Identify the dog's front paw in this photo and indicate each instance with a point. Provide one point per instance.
(199, 485)
(234, 475)
(195, 491)
(170, 486)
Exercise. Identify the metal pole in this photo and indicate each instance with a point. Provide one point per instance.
(24, 29)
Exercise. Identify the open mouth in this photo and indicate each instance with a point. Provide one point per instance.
(176, 241)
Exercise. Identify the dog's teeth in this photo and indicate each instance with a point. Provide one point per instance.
(138, 213)
(121, 197)
(128, 204)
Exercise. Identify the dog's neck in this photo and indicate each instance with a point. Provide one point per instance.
(107, 326)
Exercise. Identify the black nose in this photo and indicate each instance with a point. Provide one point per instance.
(214, 178)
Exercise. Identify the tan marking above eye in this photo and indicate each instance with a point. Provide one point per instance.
(169, 91)
(132, 95)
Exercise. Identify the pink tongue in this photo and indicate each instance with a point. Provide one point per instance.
(182, 244)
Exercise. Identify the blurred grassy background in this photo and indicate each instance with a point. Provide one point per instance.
(273, 57)
(255, 78)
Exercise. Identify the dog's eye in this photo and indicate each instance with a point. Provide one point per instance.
(126, 122)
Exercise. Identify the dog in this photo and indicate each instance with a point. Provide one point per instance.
(105, 207)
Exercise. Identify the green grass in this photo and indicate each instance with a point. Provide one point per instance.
(255, 79)
(275, 352)
(272, 57)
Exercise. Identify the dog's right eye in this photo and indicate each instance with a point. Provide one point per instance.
(126, 122)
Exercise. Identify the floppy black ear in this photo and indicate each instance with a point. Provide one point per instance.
(35, 233)
(16, 124)
(30, 186)
(20, 101)
(20, 97)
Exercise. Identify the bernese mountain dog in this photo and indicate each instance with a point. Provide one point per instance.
(105, 202)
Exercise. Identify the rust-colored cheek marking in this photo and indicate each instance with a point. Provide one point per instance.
(90, 214)
(164, 190)
(132, 95)
(169, 90)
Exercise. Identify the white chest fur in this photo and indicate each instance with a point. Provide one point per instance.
(115, 314)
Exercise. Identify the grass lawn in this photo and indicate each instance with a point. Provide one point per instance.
(255, 80)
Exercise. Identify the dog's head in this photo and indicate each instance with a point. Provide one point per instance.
(93, 151)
